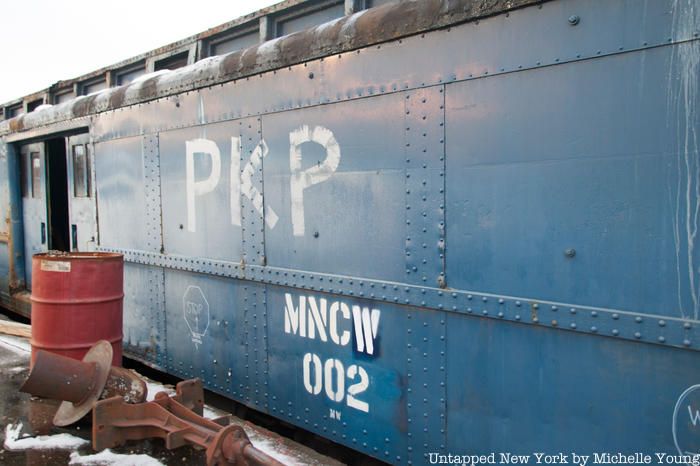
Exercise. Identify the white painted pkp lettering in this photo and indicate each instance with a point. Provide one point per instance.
(235, 176)
(301, 180)
(197, 188)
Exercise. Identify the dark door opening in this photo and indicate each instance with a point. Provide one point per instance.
(57, 190)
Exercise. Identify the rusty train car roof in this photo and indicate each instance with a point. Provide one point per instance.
(362, 29)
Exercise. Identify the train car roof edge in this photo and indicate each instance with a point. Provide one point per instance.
(365, 28)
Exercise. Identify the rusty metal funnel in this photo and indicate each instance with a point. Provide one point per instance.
(60, 378)
(77, 383)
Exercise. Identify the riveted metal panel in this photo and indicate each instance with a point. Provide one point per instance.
(563, 182)
(151, 171)
(353, 221)
(205, 227)
(121, 194)
(426, 392)
(317, 380)
(144, 313)
(216, 331)
(586, 394)
(425, 187)
(253, 209)
(252, 316)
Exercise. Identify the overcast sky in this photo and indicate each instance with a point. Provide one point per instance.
(44, 41)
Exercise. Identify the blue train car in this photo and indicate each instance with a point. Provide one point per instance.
(429, 228)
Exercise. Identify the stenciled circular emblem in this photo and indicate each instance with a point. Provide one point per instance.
(686, 422)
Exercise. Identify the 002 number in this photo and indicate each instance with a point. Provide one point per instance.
(330, 376)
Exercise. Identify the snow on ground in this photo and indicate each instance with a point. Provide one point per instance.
(155, 387)
(17, 345)
(108, 458)
(42, 442)
(272, 448)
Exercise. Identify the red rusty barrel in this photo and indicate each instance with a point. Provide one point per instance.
(77, 300)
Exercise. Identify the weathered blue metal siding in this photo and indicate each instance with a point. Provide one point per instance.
(478, 239)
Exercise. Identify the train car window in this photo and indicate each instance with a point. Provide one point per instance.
(81, 171)
(36, 174)
(25, 175)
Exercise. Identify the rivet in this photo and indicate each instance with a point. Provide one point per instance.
(572, 325)
(615, 332)
(594, 314)
(686, 342)
(615, 316)
(574, 20)
(517, 316)
(686, 325)
(662, 339)
(637, 335)
(594, 329)
(638, 319)
(662, 323)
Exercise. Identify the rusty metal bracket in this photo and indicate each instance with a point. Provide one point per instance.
(178, 421)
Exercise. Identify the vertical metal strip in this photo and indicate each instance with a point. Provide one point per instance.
(425, 186)
(252, 221)
(425, 265)
(16, 230)
(154, 243)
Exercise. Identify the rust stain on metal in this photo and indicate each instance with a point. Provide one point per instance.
(365, 28)
(114, 422)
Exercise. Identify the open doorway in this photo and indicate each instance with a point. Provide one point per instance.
(57, 190)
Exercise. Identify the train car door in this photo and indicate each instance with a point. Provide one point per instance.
(34, 210)
(81, 194)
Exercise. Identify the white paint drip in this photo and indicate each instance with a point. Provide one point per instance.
(108, 458)
(682, 104)
(42, 442)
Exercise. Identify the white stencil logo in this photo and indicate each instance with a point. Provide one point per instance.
(686, 422)
(196, 311)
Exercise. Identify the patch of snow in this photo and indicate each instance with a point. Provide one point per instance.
(268, 47)
(42, 107)
(322, 27)
(213, 413)
(155, 387)
(272, 449)
(16, 370)
(349, 26)
(42, 442)
(146, 76)
(108, 458)
(17, 344)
